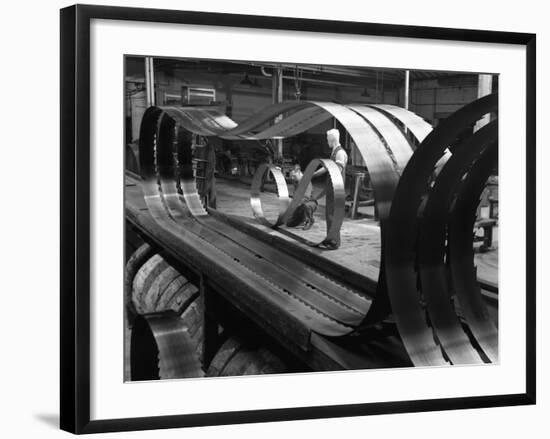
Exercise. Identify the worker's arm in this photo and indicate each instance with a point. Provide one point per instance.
(341, 160)
(319, 172)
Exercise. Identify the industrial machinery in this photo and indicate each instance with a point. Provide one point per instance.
(210, 295)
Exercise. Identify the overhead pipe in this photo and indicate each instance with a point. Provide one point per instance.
(312, 80)
(407, 79)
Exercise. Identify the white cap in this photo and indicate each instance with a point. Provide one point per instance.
(334, 134)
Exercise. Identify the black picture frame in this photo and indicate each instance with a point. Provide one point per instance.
(75, 217)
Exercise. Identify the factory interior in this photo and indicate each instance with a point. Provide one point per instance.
(287, 218)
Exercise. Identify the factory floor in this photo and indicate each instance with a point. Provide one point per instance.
(360, 247)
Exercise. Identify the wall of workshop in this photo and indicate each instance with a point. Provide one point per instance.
(434, 99)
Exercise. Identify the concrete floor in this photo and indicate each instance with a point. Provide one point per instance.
(360, 247)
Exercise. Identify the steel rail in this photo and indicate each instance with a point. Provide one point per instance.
(315, 279)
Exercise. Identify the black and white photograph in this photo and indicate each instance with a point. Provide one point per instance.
(286, 218)
(293, 217)
(243, 219)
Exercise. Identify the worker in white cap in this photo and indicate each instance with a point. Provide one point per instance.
(340, 157)
(338, 154)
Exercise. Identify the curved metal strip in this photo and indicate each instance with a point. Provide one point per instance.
(173, 152)
(461, 255)
(379, 164)
(217, 120)
(167, 160)
(137, 259)
(161, 348)
(396, 142)
(217, 125)
(282, 193)
(402, 233)
(147, 151)
(414, 123)
(264, 116)
(432, 249)
(189, 121)
(203, 120)
(296, 123)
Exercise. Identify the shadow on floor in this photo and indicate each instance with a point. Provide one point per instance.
(49, 419)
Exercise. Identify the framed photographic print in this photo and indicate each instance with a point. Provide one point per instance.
(273, 218)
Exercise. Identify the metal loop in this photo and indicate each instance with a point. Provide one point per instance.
(282, 193)
(335, 196)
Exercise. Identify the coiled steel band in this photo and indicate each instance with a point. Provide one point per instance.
(412, 122)
(161, 348)
(431, 249)
(416, 125)
(402, 236)
(398, 146)
(463, 270)
(282, 193)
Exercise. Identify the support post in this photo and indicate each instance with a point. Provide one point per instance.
(149, 82)
(406, 98)
(278, 98)
(484, 88)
